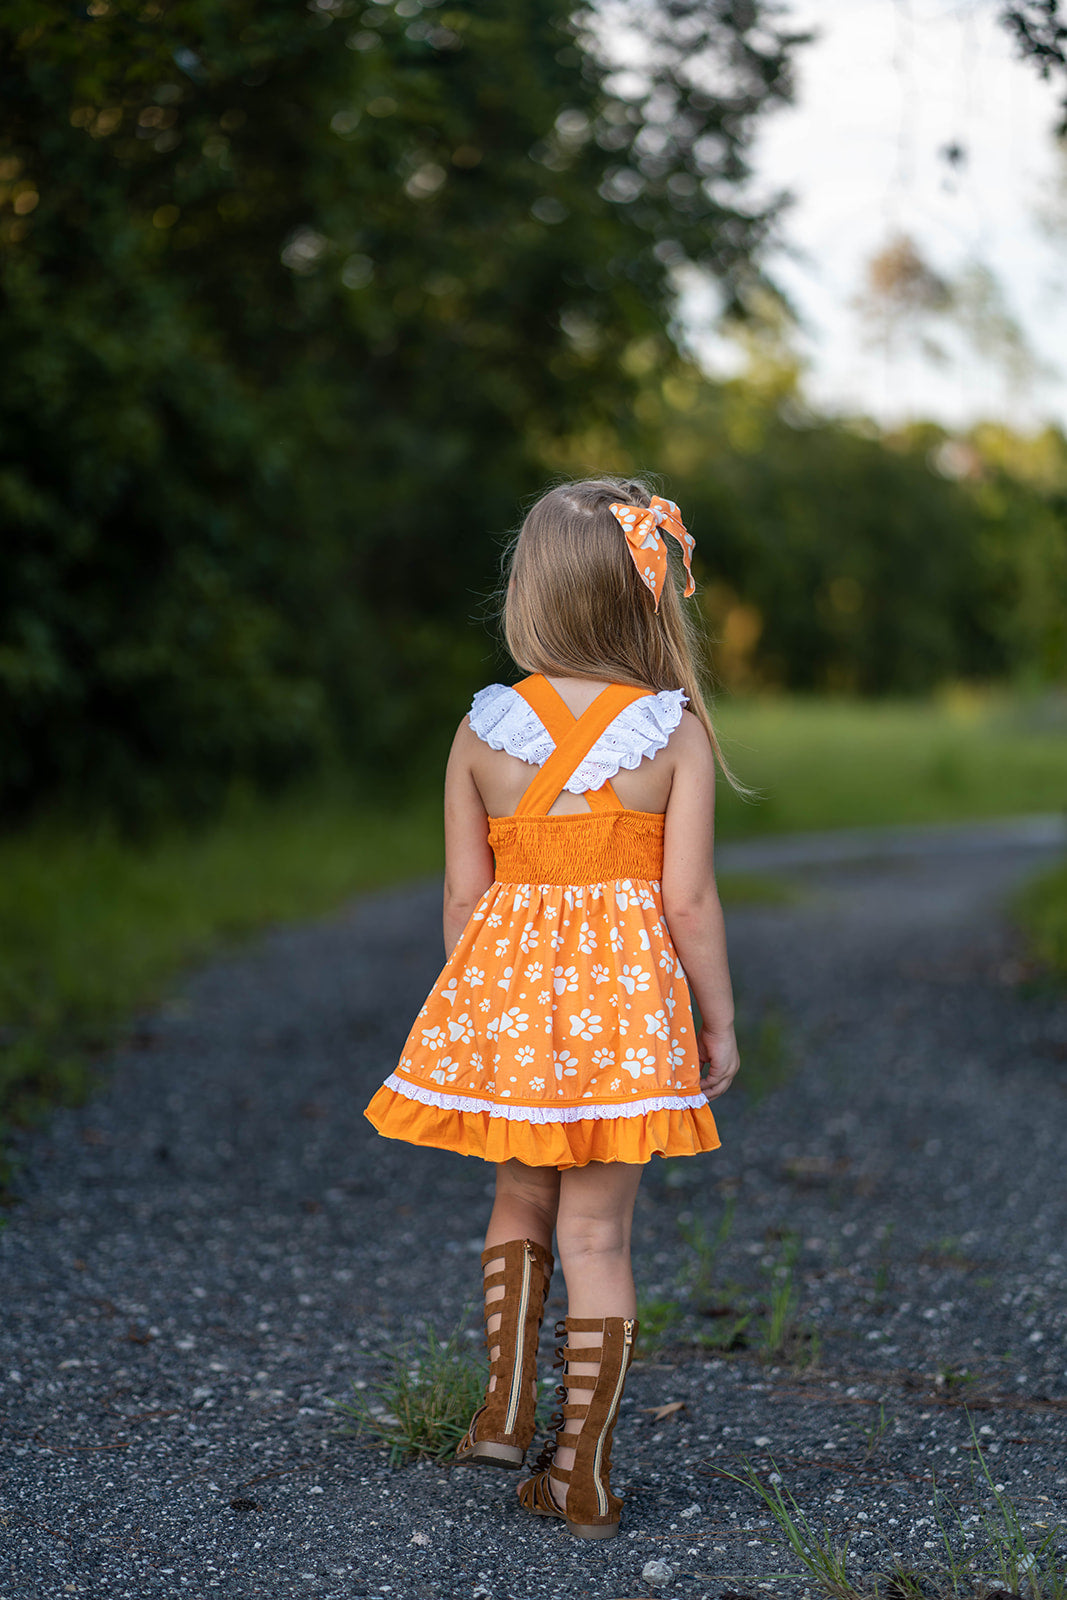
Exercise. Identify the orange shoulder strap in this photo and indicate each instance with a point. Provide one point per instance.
(573, 742)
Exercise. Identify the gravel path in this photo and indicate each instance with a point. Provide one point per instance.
(210, 1253)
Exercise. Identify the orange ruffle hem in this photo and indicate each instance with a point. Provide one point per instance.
(688, 1132)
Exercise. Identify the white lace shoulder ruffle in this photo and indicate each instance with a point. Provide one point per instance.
(501, 717)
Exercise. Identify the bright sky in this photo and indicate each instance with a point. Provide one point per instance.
(885, 87)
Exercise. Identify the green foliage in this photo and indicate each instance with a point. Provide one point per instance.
(1042, 909)
(838, 558)
(295, 299)
(836, 763)
(424, 1405)
(94, 926)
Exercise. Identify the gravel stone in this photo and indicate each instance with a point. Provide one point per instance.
(209, 1254)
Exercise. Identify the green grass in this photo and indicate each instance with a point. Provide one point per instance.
(92, 927)
(844, 764)
(1042, 910)
(998, 1551)
(424, 1404)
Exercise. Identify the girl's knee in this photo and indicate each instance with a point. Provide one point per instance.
(592, 1236)
(530, 1186)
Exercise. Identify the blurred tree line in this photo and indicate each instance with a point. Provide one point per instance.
(297, 303)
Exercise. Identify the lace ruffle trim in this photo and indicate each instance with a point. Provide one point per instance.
(542, 1114)
(502, 718)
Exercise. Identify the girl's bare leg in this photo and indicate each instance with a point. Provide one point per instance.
(593, 1227)
(525, 1208)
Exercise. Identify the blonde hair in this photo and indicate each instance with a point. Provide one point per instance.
(576, 606)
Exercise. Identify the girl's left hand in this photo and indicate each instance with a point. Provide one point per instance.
(719, 1060)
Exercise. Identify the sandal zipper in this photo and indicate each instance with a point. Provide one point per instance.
(520, 1340)
(601, 1494)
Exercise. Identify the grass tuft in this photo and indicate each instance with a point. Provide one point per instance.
(422, 1408)
(1009, 1561)
(825, 1562)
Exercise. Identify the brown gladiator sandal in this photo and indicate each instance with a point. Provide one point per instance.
(502, 1428)
(586, 1502)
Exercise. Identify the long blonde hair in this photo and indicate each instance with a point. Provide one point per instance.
(576, 607)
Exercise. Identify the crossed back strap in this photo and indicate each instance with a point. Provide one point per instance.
(574, 737)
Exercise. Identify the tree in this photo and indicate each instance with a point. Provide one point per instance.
(294, 303)
(1040, 31)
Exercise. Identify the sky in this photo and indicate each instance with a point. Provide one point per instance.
(885, 87)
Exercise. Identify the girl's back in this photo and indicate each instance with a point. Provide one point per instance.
(502, 779)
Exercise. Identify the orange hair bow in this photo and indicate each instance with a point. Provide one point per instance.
(641, 525)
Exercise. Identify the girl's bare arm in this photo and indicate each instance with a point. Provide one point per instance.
(469, 866)
(691, 901)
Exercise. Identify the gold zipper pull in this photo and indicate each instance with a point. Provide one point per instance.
(527, 1245)
(627, 1332)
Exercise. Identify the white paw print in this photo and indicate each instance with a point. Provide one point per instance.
(450, 991)
(603, 1059)
(433, 1038)
(616, 1085)
(565, 1064)
(505, 978)
(461, 1028)
(585, 1025)
(643, 941)
(494, 921)
(615, 939)
(534, 971)
(564, 979)
(522, 899)
(537, 1084)
(543, 997)
(501, 947)
(526, 1056)
(638, 1061)
(677, 1056)
(666, 960)
(656, 1023)
(586, 939)
(528, 937)
(600, 974)
(511, 1022)
(444, 1071)
(485, 1005)
(557, 939)
(634, 978)
(476, 1060)
(475, 976)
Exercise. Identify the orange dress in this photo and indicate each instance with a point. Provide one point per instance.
(560, 1030)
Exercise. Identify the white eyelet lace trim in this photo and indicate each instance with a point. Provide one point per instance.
(542, 1114)
(505, 721)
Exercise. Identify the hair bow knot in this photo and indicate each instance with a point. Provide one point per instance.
(641, 525)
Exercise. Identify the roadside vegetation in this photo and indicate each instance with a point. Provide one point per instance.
(1042, 910)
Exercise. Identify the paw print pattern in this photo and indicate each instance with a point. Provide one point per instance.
(594, 1005)
(638, 1062)
(585, 1025)
(656, 1023)
(635, 980)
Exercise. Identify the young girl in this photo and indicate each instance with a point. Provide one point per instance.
(559, 1042)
